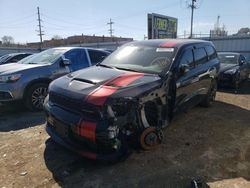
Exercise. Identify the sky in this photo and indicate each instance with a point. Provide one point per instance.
(18, 18)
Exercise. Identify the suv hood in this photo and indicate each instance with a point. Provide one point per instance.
(96, 84)
(225, 67)
(17, 67)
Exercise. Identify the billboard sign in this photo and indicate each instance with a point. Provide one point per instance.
(160, 26)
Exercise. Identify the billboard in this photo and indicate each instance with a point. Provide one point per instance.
(160, 26)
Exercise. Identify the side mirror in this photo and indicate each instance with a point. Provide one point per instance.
(65, 62)
(184, 68)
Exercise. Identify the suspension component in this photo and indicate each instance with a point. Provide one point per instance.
(151, 138)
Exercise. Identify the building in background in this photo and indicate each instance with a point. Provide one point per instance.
(78, 40)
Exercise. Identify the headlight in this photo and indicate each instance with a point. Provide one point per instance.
(10, 78)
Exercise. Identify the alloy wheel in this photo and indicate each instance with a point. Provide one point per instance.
(38, 96)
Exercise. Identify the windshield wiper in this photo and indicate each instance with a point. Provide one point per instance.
(126, 69)
(103, 65)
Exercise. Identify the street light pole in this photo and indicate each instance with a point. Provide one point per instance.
(192, 16)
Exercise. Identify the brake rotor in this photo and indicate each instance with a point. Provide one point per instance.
(151, 138)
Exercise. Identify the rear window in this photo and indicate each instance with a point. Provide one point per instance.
(211, 52)
(228, 58)
(200, 56)
(97, 56)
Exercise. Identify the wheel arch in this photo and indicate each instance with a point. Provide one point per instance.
(36, 81)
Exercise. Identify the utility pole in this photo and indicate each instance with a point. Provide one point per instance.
(40, 32)
(111, 30)
(192, 6)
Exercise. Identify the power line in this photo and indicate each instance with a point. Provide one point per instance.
(41, 33)
(17, 20)
(111, 30)
(15, 26)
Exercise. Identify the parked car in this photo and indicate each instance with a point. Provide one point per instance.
(13, 57)
(28, 80)
(99, 112)
(234, 69)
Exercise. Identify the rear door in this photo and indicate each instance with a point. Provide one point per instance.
(202, 70)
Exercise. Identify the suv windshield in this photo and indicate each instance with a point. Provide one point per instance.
(45, 57)
(228, 58)
(146, 59)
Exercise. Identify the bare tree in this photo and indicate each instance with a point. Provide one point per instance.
(56, 37)
(7, 40)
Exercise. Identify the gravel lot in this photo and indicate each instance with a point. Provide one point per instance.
(208, 143)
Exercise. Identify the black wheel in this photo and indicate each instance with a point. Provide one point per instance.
(35, 96)
(210, 97)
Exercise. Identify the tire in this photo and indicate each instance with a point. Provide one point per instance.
(237, 81)
(35, 96)
(210, 97)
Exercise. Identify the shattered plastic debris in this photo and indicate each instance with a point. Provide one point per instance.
(23, 173)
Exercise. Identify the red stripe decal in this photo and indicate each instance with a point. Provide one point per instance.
(87, 129)
(126, 79)
(168, 44)
(100, 95)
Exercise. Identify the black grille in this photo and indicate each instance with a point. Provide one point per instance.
(87, 111)
(227, 77)
(64, 101)
(5, 95)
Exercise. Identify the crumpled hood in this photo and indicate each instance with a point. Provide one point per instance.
(17, 67)
(225, 67)
(96, 84)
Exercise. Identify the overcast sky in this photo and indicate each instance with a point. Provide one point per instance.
(18, 18)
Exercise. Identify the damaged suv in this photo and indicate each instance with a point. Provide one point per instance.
(99, 112)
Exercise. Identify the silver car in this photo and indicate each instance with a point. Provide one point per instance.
(28, 79)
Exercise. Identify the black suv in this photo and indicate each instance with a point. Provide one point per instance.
(131, 96)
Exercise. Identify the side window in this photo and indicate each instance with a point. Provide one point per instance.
(200, 56)
(187, 58)
(21, 56)
(77, 57)
(211, 52)
(96, 56)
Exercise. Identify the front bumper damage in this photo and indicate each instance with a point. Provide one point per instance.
(93, 138)
(108, 135)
